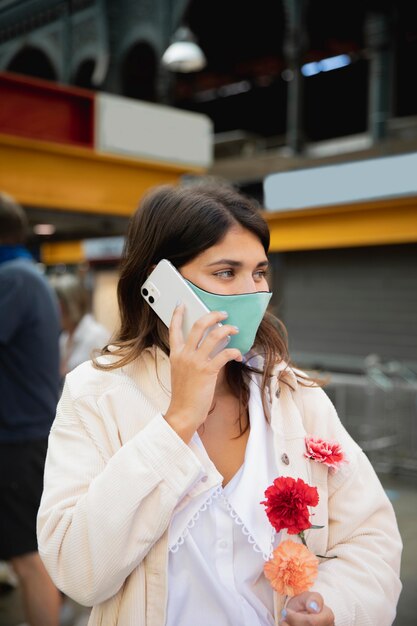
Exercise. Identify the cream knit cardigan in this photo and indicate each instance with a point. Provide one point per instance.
(115, 471)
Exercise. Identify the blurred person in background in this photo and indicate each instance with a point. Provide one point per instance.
(161, 453)
(81, 333)
(29, 389)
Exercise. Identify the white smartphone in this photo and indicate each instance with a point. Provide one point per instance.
(164, 288)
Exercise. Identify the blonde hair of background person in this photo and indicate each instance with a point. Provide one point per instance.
(81, 333)
(159, 454)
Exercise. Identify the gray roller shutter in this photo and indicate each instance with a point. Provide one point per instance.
(341, 305)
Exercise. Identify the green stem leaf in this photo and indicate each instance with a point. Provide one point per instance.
(321, 556)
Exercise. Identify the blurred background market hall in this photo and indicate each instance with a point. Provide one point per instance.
(310, 107)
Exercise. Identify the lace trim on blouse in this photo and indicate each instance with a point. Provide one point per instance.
(214, 494)
(235, 517)
(247, 533)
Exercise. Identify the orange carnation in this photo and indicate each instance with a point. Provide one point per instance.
(292, 568)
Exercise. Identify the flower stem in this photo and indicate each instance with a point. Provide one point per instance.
(321, 556)
(303, 539)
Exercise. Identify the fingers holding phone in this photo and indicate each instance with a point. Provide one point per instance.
(194, 370)
(208, 335)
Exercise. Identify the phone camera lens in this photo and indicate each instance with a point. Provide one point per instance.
(151, 299)
(145, 292)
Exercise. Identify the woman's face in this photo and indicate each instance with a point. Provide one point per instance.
(237, 264)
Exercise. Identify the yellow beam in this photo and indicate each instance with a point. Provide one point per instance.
(62, 177)
(69, 252)
(381, 222)
(78, 179)
(376, 223)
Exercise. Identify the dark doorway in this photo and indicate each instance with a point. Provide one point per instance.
(84, 74)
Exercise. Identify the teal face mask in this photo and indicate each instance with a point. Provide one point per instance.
(244, 310)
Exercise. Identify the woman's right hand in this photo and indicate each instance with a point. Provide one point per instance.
(307, 609)
(193, 372)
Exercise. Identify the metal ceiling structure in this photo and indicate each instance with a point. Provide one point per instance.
(252, 53)
(267, 88)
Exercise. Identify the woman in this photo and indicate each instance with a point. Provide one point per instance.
(160, 456)
(81, 333)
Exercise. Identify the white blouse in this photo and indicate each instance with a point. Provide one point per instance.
(219, 541)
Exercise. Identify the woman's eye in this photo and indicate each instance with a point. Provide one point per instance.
(260, 274)
(225, 274)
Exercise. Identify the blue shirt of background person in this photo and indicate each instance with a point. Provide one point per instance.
(29, 349)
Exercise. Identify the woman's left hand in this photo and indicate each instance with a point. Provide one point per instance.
(307, 609)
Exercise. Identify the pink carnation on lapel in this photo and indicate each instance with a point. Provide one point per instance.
(327, 452)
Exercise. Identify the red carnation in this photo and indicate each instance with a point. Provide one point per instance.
(286, 504)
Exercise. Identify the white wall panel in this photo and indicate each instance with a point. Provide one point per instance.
(357, 181)
(152, 131)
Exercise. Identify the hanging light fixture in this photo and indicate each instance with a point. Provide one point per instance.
(184, 54)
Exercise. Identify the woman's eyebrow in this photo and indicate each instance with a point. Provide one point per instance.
(226, 262)
(235, 263)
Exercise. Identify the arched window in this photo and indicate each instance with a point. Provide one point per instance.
(32, 62)
(139, 73)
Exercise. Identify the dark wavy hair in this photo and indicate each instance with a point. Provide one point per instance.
(178, 224)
